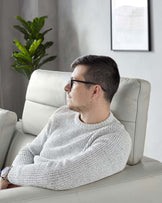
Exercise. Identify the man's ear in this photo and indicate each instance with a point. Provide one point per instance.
(97, 91)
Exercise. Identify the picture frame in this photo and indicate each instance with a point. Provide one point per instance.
(130, 25)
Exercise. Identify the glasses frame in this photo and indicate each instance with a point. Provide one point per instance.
(84, 82)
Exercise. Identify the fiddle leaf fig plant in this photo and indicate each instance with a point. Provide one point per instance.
(32, 55)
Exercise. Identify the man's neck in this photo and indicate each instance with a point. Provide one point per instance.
(95, 115)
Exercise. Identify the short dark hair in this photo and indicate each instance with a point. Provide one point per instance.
(102, 70)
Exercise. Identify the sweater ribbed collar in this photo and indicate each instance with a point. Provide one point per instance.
(96, 125)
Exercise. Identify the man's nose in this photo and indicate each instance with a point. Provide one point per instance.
(67, 87)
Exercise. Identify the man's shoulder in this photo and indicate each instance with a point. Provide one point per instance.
(114, 128)
(116, 122)
(113, 134)
(120, 130)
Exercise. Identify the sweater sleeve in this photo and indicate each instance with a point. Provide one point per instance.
(103, 158)
(27, 153)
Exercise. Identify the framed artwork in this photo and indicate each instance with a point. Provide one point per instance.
(130, 25)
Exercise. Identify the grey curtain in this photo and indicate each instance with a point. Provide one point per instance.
(13, 84)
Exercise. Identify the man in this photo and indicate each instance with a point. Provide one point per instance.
(83, 142)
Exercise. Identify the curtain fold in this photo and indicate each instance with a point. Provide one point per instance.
(1, 88)
(13, 84)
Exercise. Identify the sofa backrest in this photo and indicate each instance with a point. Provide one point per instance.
(45, 93)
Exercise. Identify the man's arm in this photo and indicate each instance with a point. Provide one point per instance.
(4, 183)
(27, 153)
(100, 160)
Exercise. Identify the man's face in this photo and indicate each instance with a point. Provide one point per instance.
(79, 96)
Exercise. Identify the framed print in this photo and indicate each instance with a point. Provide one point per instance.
(129, 25)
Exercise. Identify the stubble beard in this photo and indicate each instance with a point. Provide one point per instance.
(74, 108)
(79, 109)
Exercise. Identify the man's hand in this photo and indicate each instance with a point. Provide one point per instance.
(3, 184)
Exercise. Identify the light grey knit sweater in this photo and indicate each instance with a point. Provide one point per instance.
(69, 153)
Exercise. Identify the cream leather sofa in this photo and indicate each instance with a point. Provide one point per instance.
(141, 181)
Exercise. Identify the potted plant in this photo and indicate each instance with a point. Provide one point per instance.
(30, 56)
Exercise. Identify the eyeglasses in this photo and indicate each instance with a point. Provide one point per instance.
(85, 82)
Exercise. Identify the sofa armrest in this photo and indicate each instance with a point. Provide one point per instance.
(138, 183)
(143, 190)
(8, 121)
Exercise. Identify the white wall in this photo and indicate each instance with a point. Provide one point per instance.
(84, 28)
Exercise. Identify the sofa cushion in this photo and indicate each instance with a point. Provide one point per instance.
(44, 95)
(130, 106)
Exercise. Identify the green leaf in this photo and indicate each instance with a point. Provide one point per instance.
(19, 61)
(28, 43)
(30, 56)
(36, 36)
(39, 36)
(25, 70)
(51, 58)
(22, 30)
(40, 51)
(21, 47)
(27, 67)
(22, 56)
(24, 23)
(26, 73)
(29, 23)
(48, 44)
(36, 60)
(34, 46)
(46, 31)
(37, 24)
